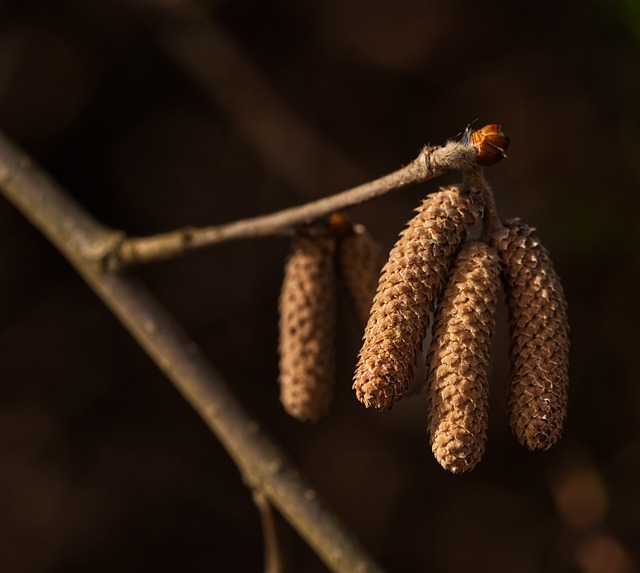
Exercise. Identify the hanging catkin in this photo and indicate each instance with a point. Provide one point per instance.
(408, 286)
(539, 337)
(307, 318)
(458, 361)
(360, 259)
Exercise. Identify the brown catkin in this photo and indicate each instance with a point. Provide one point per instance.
(360, 259)
(458, 361)
(408, 286)
(307, 319)
(539, 337)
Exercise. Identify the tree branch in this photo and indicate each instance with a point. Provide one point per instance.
(431, 162)
(263, 464)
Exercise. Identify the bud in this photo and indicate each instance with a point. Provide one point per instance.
(490, 143)
(458, 361)
(408, 287)
(539, 337)
(307, 324)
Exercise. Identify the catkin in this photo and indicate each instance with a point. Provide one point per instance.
(458, 361)
(408, 286)
(539, 337)
(360, 259)
(307, 319)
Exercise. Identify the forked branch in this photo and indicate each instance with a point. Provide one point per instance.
(97, 252)
(263, 464)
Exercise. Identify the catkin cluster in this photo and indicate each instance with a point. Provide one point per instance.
(307, 308)
(433, 270)
(407, 291)
(434, 276)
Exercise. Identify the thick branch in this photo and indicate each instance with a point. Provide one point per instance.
(432, 162)
(263, 464)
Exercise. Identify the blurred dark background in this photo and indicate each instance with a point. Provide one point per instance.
(104, 467)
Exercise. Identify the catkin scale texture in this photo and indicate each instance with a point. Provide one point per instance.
(458, 360)
(539, 330)
(360, 259)
(406, 293)
(307, 325)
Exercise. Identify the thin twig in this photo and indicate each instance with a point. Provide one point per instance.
(263, 464)
(275, 557)
(431, 162)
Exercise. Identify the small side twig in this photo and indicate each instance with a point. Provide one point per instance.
(275, 557)
(430, 163)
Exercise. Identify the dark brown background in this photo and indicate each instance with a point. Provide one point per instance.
(103, 466)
